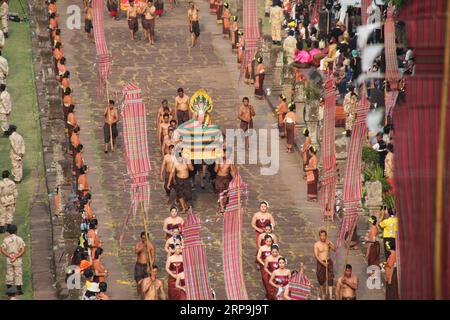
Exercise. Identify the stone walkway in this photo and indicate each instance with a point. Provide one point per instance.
(160, 70)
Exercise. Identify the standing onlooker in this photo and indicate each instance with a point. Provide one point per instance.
(13, 248)
(312, 174)
(390, 227)
(290, 121)
(4, 69)
(17, 152)
(8, 198)
(381, 148)
(276, 19)
(5, 108)
(4, 11)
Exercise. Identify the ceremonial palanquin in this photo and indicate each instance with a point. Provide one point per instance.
(200, 140)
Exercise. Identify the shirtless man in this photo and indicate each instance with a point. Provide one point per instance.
(182, 112)
(167, 142)
(183, 185)
(140, 269)
(132, 13)
(194, 26)
(346, 285)
(88, 26)
(149, 22)
(224, 171)
(161, 111)
(166, 168)
(324, 263)
(245, 115)
(110, 126)
(164, 128)
(151, 287)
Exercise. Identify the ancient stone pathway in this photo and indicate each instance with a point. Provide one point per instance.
(159, 70)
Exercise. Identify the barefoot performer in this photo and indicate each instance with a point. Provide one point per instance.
(166, 168)
(110, 127)
(152, 288)
(194, 26)
(270, 265)
(144, 254)
(183, 185)
(280, 278)
(324, 263)
(346, 285)
(263, 252)
(174, 266)
(261, 219)
(174, 221)
(132, 19)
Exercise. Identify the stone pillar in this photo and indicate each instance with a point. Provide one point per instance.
(312, 119)
(374, 196)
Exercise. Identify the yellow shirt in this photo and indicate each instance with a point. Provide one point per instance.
(390, 226)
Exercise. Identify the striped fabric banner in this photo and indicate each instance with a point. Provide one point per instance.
(136, 143)
(364, 6)
(299, 287)
(392, 73)
(103, 56)
(251, 32)
(390, 101)
(194, 259)
(328, 190)
(232, 241)
(353, 182)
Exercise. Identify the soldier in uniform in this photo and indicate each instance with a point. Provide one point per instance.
(17, 152)
(13, 248)
(4, 10)
(8, 197)
(5, 108)
(4, 69)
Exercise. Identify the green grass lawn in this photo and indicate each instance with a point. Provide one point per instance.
(21, 85)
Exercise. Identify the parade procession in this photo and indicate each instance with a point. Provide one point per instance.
(209, 150)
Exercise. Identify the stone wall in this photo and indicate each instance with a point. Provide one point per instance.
(56, 162)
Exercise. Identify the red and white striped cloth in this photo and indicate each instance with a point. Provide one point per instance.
(136, 143)
(299, 287)
(364, 5)
(390, 100)
(390, 49)
(353, 182)
(103, 56)
(251, 32)
(232, 241)
(194, 260)
(328, 190)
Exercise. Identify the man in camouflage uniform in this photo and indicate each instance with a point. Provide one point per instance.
(5, 107)
(13, 248)
(8, 198)
(4, 11)
(17, 152)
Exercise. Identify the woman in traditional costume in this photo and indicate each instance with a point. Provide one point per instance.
(226, 21)
(373, 248)
(259, 78)
(174, 266)
(174, 221)
(271, 264)
(305, 149)
(312, 175)
(261, 219)
(180, 284)
(290, 121)
(280, 277)
(261, 256)
(281, 111)
(234, 32)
